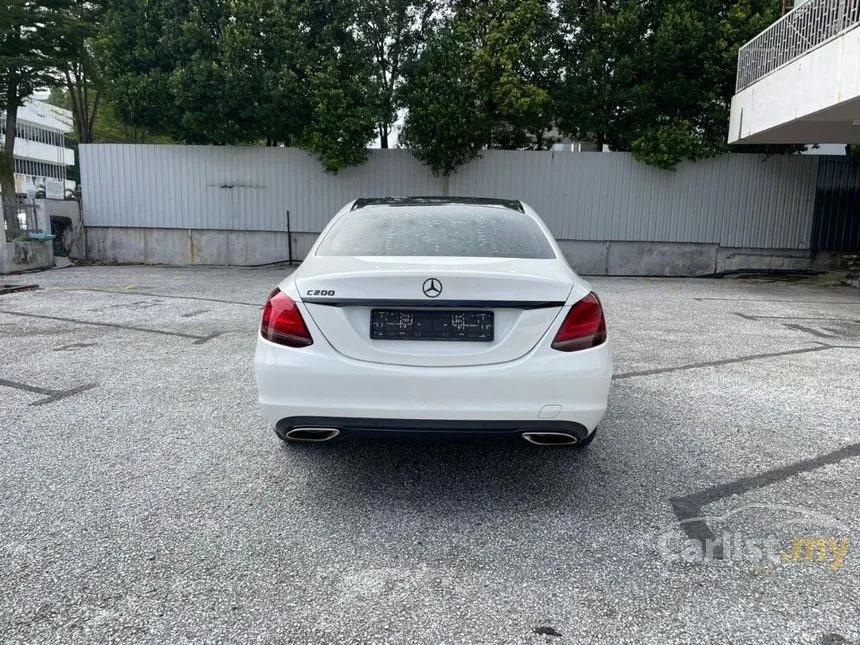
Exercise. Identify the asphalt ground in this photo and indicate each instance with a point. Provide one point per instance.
(143, 499)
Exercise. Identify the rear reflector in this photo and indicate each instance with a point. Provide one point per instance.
(283, 322)
(583, 327)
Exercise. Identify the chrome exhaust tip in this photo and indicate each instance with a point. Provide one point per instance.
(550, 438)
(312, 435)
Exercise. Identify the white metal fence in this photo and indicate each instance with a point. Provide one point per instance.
(735, 200)
(802, 29)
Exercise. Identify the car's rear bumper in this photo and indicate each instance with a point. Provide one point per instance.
(430, 428)
(316, 381)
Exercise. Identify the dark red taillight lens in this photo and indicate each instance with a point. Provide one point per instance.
(283, 322)
(583, 327)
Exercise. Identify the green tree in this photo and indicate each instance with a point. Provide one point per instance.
(655, 76)
(211, 72)
(515, 67)
(30, 34)
(107, 128)
(392, 31)
(78, 67)
(602, 44)
(336, 72)
(692, 62)
(340, 104)
(446, 125)
(483, 80)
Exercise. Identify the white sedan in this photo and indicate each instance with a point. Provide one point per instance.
(436, 316)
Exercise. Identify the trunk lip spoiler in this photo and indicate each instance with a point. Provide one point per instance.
(451, 304)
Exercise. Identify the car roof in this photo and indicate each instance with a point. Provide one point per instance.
(511, 204)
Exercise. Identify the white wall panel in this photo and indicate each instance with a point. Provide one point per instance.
(735, 200)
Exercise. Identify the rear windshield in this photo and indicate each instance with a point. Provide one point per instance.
(453, 231)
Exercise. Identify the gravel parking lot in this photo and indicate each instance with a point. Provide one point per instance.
(143, 499)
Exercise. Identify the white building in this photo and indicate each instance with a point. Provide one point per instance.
(41, 156)
(799, 80)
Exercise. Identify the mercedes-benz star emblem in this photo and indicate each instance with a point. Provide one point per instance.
(432, 288)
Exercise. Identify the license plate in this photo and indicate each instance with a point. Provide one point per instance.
(400, 324)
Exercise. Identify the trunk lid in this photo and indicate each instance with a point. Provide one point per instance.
(526, 297)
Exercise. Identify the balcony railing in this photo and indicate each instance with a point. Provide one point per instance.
(796, 33)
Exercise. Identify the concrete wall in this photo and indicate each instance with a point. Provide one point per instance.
(60, 207)
(26, 256)
(73, 238)
(252, 248)
(679, 260)
(188, 246)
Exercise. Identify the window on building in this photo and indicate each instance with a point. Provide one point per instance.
(37, 134)
(39, 169)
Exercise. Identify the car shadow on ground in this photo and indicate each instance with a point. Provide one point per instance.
(628, 474)
(451, 476)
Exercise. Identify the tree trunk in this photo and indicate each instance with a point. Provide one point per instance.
(85, 109)
(7, 162)
(91, 125)
(83, 113)
(383, 135)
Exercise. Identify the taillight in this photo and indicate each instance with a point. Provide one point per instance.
(583, 327)
(283, 322)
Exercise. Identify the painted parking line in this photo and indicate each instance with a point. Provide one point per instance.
(724, 361)
(74, 346)
(50, 395)
(688, 508)
(820, 318)
(808, 302)
(196, 312)
(175, 297)
(808, 330)
(198, 340)
(17, 288)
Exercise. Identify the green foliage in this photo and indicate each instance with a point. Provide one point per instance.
(665, 146)
(392, 32)
(513, 67)
(602, 46)
(446, 126)
(655, 76)
(686, 112)
(211, 72)
(343, 106)
(483, 80)
(30, 37)
(81, 22)
(107, 128)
